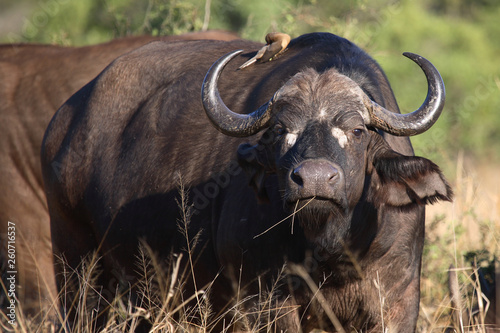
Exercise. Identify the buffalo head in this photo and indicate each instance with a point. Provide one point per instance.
(322, 142)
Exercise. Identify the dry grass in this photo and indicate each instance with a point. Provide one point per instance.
(463, 234)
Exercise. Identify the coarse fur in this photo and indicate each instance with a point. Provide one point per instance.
(122, 143)
(35, 80)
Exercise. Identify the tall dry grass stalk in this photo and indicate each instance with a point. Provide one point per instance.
(460, 252)
(458, 235)
(157, 299)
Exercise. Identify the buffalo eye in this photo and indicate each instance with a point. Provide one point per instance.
(279, 130)
(357, 132)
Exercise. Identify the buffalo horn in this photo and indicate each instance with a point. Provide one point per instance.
(419, 120)
(225, 120)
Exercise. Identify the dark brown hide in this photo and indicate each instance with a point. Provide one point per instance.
(34, 81)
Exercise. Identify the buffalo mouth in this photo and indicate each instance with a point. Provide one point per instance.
(315, 213)
(316, 207)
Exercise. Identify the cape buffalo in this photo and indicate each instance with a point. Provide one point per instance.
(34, 81)
(310, 179)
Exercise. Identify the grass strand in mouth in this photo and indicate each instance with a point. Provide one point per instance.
(295, 211)
(293, 217)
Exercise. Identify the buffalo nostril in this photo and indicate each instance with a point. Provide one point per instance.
(314, 174)
(315, 178)
(297, 177)
(332, 175)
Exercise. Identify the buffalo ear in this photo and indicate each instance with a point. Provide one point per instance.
(404, 180)
(255, 162)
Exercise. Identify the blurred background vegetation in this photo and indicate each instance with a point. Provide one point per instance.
(461, 37)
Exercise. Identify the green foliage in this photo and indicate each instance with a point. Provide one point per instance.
(66, 22)
(463, 52)
(175, 17)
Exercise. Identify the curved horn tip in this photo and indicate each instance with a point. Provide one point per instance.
(217, 68)
(421, 119)
(411, 55)
(418, 59)
(429, 68)
(223, 61)
(225, 120)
